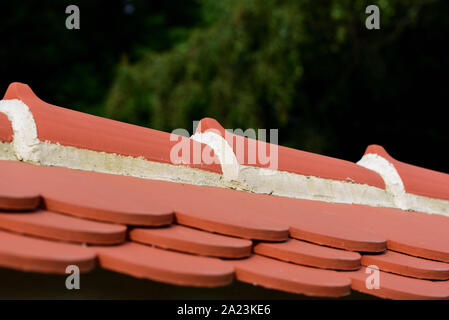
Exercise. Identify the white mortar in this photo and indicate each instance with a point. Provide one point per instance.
(25, 143)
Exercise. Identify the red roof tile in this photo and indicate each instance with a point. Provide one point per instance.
(161, 265)
(297, 161)
(409, 266)
(194, 241)
(178, 224)
(309, 254)
(17, 197)
(289, 277)
(417, 180)
(37, 255)
(6, 133)
(89, 197)
(72, 128)
(56, 226)
(397, 287)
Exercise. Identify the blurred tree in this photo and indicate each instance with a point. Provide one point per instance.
(309, 68)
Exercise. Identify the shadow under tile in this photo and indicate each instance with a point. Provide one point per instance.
(103, 284)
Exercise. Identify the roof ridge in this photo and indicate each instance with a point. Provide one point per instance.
(49, 135)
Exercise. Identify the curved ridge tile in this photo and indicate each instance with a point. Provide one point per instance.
(295, 161)
(275, 274)
(142, 261)
(416, 180)
(309, 254)
(17, 197)
(202, 207)
(46, 224)
(193, 241)
(38, 255)
(76, 129)
(409, 266)
(396, 287)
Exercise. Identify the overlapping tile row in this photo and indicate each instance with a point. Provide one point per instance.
(208, 236)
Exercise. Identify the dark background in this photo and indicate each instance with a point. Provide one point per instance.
(309, 68)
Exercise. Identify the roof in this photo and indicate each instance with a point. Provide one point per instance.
(82, 190)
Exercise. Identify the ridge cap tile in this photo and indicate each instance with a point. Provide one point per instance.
(194, 241)
(298, 161)
(405, 265)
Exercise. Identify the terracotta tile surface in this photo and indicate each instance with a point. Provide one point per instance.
(417, 180)
(197, 235)
(416, 234)
(407, 232)
(17, 197)
(289, 277)
(194, 241)
(162, 265)
(304, 217)
(297, 161)
(409, 266)
(56, 226)
(396, 287)
(37, 255)
(309, 254)
(88, 197)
